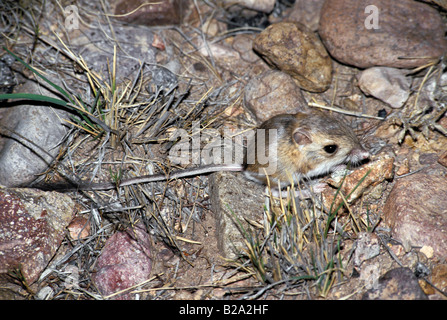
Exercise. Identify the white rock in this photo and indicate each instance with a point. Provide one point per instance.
(368, 246)
(428, 251)
(387, 84)
(258, 5)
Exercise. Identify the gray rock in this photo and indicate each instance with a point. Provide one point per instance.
(32, 140)
(234, 201)
(271, 93)
(7, 79)
(367, 247)
(397, 284)
(22, 160)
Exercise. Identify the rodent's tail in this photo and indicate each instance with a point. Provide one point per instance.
(72, 186)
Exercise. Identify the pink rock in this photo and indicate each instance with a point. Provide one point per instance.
(154, 13)
(367, 33)
(32, 226)
(125, 261)
(416, 211)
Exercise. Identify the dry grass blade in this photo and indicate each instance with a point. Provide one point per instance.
(296, 248)
(351, 113)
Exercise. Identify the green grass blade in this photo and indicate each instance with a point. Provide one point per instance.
(334, 213)
(55, 86)
(34, 97)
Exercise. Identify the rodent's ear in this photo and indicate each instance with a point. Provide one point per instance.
(302, 137)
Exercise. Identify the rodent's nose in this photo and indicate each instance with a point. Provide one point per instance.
(363, 154)
(358, 155)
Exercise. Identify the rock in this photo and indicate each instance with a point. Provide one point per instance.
(370, 274)
(443, 159)
(39, 130)
(416, 211)
(234, 201)
(439, 277)
(7, 79)
(79, 228)
(218, 51)
(158, 43)
(431, 88)
(396, 34)
(441, 3)
(306, 12)
(396, 284)
(271, 93)
(162, 77)
(387, 84)
(164, 12)
(46, 293)
(296, 50)
(381, 168)
(367, 247)
(125, 261)
(32, 226)
(428, 158)
(403, 168)
(243, 45)
(427, 251)
(257, 5)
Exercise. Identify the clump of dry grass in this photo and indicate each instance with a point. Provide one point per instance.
(298, 250)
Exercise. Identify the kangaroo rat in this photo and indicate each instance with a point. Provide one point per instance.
(307, 145)
(303, 145)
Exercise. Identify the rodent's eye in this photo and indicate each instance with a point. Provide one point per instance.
(330, 148)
